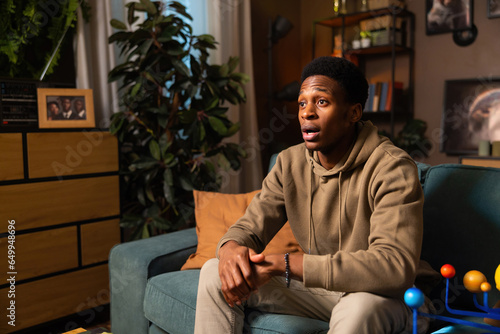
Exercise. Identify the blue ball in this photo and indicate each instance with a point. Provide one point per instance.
(414, 298)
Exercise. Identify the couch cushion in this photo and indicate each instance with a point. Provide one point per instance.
(170, 301)
(462, 226)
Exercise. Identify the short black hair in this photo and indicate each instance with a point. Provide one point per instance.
(348, 75)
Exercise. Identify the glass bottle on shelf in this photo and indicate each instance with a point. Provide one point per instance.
(364, 6)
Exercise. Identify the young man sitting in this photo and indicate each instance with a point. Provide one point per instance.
(354, 204)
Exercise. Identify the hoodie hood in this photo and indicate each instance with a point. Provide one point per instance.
(367, 139)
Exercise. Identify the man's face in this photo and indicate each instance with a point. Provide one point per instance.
(78, 105)
(66, 104)
(324, 115)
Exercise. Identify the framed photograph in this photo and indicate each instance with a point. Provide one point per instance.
(65, 108)
(471, 113)
(493, 9)
(444, 16)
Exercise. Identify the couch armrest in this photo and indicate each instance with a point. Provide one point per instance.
(131, 264)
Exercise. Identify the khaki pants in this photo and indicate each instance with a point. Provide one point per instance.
(353, 313)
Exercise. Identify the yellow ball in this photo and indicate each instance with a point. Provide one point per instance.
(473, 280)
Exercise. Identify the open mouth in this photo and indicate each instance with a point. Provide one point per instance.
(309, 133)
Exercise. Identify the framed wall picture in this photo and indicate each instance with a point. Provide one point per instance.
(471, 113)
(493, 8)
(65, 108)
(444, 16)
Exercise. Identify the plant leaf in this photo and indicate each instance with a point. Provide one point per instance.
(154, 149)
(167, 186)
(118, 24)
(217, 125)
(180, 66)
(150, 7)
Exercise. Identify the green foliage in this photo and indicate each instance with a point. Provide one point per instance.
(173, 118)
(412, 139)
(29, 25)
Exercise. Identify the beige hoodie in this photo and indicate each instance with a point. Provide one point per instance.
(359, 223)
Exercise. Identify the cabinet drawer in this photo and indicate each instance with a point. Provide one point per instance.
(71, 153)
(42, 204)
(43, 253)
(52, 298)
(11, 163)
(98, 239)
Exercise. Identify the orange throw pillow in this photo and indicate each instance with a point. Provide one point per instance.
(215, 213)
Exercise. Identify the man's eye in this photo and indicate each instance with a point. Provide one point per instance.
(322, 102)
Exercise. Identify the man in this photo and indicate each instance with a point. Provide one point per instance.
(67, 112)
(80, 109)
(354, 203)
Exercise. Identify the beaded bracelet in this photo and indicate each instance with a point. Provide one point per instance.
(287, 270)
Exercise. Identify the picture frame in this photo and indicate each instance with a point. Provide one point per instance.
(493, 8)
(468, 114)
(65, 108)
(455, 17)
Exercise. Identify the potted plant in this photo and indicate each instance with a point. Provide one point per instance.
(365, 38)
(412, 138)
(173, 119)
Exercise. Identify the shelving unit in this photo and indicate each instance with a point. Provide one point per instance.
(346, 25)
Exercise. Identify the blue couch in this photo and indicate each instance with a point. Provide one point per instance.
(461, 227)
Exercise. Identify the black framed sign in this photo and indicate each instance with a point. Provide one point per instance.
(471, 113)
(444, 16)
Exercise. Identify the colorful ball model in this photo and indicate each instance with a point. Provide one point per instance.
(473, 280)
(414, 298)
(448, 271)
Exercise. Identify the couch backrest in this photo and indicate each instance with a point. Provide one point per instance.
(462, 223)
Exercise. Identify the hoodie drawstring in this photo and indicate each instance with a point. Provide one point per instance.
(310, 205)
(340, 211)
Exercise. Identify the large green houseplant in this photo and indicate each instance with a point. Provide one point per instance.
(173, 118)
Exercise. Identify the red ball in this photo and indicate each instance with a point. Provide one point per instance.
(448, 271)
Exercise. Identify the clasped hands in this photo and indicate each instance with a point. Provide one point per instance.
(242, 271)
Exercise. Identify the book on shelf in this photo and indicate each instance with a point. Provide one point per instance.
(369, 101)
(383, 97)
(376, 97)
(398, 88)
(380, 95)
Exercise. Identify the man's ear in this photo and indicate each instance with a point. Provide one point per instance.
(355, 113)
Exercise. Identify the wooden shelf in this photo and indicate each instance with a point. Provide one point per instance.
(353, 18)
(480, 161)
(377, 50)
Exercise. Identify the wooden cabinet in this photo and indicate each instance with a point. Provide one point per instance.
(59, 193)
(388, 61)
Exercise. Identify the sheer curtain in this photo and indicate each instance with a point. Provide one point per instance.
(94, 58)
(227, 20)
